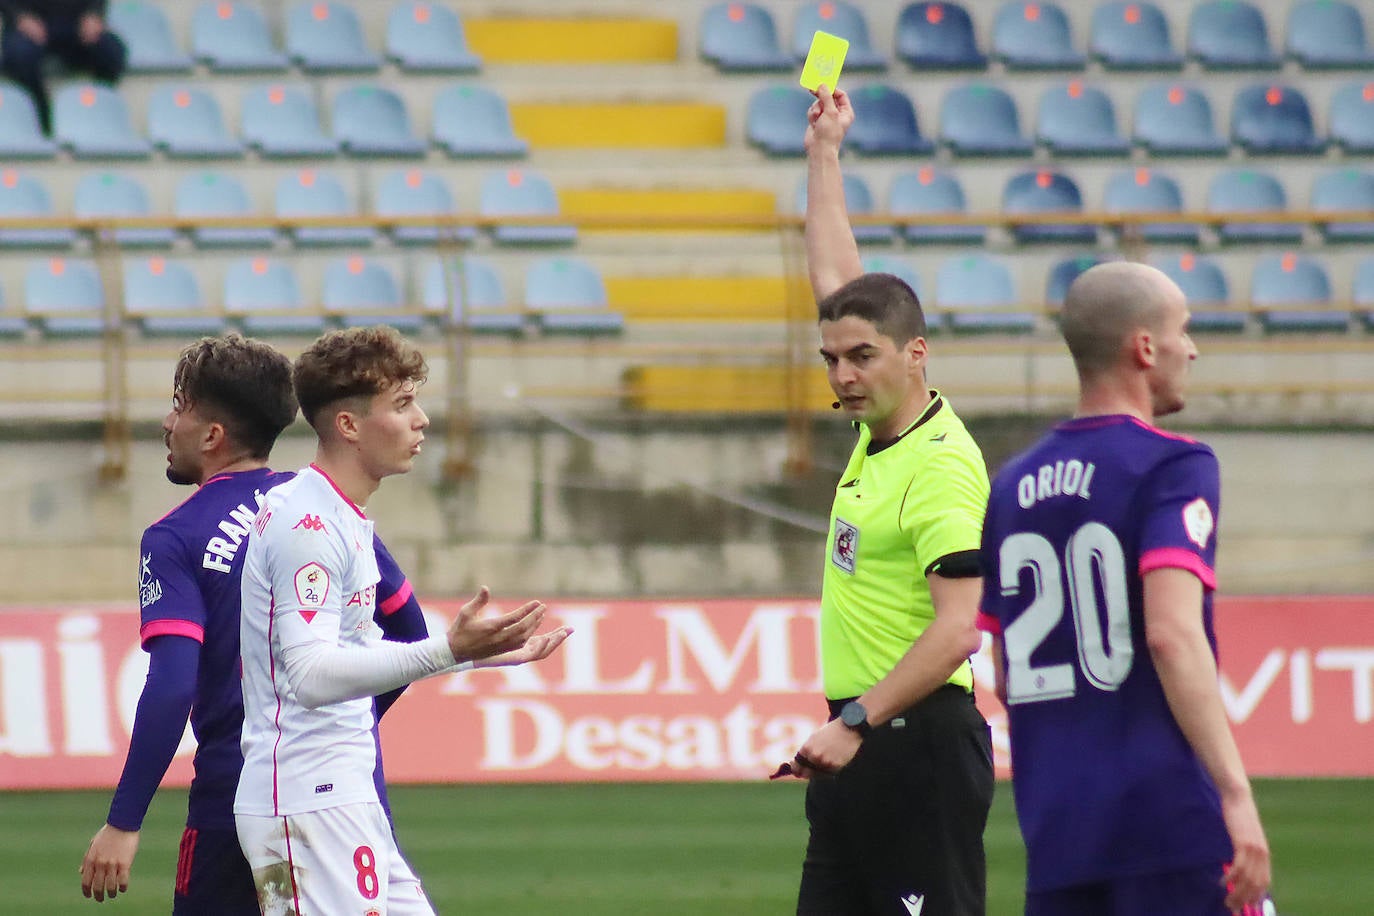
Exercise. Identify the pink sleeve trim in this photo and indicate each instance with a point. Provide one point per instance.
(988, 623)
(1178, 558)
(170, 627)
(396, 601)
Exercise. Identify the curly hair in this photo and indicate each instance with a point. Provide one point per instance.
(354, 363)
(242, 384)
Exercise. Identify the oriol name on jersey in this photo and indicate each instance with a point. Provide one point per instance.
(1063, 478)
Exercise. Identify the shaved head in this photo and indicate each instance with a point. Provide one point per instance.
(1106, 304)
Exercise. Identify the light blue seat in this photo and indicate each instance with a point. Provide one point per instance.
(424, 37)
(282, 121)
(164, 298)
(415, 192)
(1049, 192)
(928, 192)
(65, 298)
(324, 36)
(219, 194)
(360, 292)
(837, 18)
(1345, 190)
(1229, 35)
(1293, 293)
(1351, 120)
(468, 292)
(1132, 35)
(1175, 119)
(1362, 291)
(21, 137)
(1034, 36)
(902, 269)
(775, 120)
(1064, 271)
(977, 293)
(858, 201)
(1245, 190)
(314, 193)
(523, 193)
(93, 122)
(1079, 120)
(981, 120)
(738, 36)
(21, 196)
(938, 36)
(473, 121)
(373, 121)
(888, 126)
(185, 121)
(1327, 34)
(568, 296)
(1270, 119)
(262, 296)
(230, 36)
(114, 194)
(1145, 190)
(143, 28)
(1204, 285)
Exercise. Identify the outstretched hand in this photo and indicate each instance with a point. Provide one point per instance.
(536, 649)
(828, 119)
(474, 637)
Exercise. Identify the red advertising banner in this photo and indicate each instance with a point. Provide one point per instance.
(662, 690)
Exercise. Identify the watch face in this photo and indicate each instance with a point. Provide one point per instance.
(853, 715)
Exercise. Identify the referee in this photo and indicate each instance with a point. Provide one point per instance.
(901, 776)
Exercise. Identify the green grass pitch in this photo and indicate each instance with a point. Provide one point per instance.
(725, 849)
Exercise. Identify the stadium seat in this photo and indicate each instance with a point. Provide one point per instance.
(468, 292)
(1030, 35)
(324, 36)
(1130, 35)
(474, 121)
(1229, 35)
(776, 119)
(93, 122)
(930, 191)
(981, 120)
(1049, 192)
(1244, 190)
(888, 126)
(314, 193)
(185, 121)
(282, 121)
(21, 137)
(219, 194)
(112, 194)
(1145, 190)
(262, 297)
(738, 36)
(938, 36)
(424, 37)
(1362, 292)
(1347, 190)
(1268, 118)
(415, 192)
(1205, 287)
(838, 18)
(1172, 119)
(25, 196)
(523, 193)
(65, 298)
(1351, 120)
(568, 296)
(902, 269)
(229, 36)
(1064, 271)
(977, 294)
(360, 292)
(1292, 292)
(1079, 120)
(147, 36)
(164, 298)
(1327, 34)
(858, 200)
(372, 121)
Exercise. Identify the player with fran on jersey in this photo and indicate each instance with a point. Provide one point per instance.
(231, 399)
(308, 816)
(1098, 557)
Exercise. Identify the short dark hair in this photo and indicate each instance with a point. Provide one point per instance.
(242, 384)
(354, 363)
(883, 299)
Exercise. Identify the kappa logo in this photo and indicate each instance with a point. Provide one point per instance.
(309, 523)
(914, 903)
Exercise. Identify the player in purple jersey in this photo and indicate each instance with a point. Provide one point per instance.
(1098, 557)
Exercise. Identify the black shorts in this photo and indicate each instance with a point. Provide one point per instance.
(213, 877)
(899, 831)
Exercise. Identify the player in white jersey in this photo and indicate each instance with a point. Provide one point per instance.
(307, 811)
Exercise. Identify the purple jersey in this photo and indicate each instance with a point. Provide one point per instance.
(1106, 785)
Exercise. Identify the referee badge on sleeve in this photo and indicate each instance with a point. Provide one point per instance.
(846, 545)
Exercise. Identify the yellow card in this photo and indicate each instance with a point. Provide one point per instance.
(824, 60)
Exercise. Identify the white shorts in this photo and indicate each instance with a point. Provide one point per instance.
(335, 862)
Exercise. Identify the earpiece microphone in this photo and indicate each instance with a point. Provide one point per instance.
(835, 405)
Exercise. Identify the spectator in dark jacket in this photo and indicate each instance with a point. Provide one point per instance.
(74, 30)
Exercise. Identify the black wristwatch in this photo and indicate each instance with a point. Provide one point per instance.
(855, 717)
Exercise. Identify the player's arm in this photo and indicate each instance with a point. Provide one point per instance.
(399, 614)
(832, 255)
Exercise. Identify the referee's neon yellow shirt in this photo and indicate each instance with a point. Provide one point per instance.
(895, 513)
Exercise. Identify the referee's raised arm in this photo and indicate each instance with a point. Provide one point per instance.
(832, 255)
